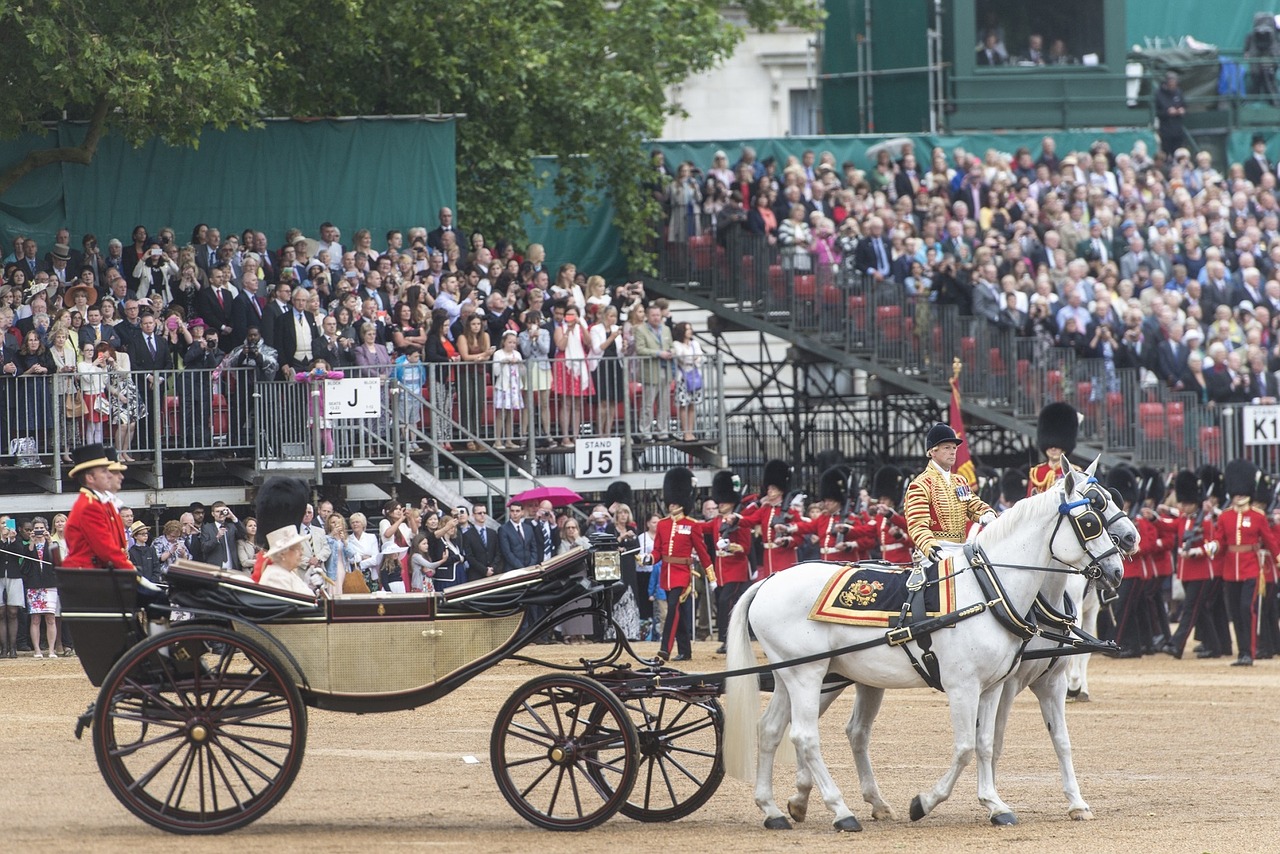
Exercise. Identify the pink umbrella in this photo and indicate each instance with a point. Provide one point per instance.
(559, 496)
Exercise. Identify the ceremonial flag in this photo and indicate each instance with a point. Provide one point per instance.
(964, 463)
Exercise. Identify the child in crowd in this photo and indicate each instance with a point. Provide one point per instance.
(412, 374)
(508, 389)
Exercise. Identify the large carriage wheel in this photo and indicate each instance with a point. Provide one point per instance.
(199, 730)
(681, 761)
(564, 752)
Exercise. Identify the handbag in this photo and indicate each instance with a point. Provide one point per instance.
(74, 405)
(102, 405)
(693, 379)
(353, 582)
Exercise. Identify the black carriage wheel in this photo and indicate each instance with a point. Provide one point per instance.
(199, 730)
(681, 757)
(564, 752)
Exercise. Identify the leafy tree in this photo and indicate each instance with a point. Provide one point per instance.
(161, 68)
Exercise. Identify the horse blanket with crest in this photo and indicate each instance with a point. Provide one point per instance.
(872, 594)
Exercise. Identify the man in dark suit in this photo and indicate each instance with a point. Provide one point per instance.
(906, 182)
(295, 335)
(989, 54)
(95, 331)
(149, 351)
(247, 310)
(219, 537)
(480, 545)
(277, 306)
(515, 540)
(75, 258)
(1217, 290)
(872, 255)
(1264, 386)
(1171, 357)
(207, 255)
(1256, 164)
(1228, 383)
(446, 224)
(973, 188)
(215, 303)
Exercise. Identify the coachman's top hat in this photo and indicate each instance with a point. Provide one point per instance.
(88, 457)
(940, 433)
(726, 488)
(678, 488)
(1186, 488)
(1057, 427)
(777, 473)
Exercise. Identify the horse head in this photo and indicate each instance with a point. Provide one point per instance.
(1100, 530)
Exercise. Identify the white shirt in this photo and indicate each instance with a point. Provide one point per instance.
(946, 474)
(302, 337)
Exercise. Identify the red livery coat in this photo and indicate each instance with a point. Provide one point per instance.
(831, 547)
(1152, 545)
(734, 565)
(891, 536)
(94, 535)
(1242, 533)
(675, 541)
(779, 549)
(1197, 567)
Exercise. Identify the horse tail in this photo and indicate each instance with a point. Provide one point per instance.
(741, 694)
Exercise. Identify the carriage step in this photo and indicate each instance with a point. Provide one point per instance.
(84, 721)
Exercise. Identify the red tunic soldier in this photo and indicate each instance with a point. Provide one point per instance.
(1196, 546)
(890, 525)
(733, 543)
(1056, 431)
(1160, 567)
(771, 517)
(1243, 532)
(840, 539)
(1132, 621)
(676, 540)
(94, 537)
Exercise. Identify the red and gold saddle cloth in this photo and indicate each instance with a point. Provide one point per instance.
(869, 594)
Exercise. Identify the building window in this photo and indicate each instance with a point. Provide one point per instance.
(804, 112)
(1017, 34)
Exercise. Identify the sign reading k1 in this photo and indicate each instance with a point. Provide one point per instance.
(598, 458)
(358, 397)
(1262, 424)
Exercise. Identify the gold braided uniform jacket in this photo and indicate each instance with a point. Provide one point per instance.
(938, 510)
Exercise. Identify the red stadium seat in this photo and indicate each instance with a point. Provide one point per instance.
(1084, 399)
(995, 359)
(1151, 418)
(1177, 420)
(858, 311)
(969, 351)
(1053, 385)
(889, 323)
(1211, 445)
(1116, 410)
(173, 417)
(221, 417)
(806, 287)
(701, 246)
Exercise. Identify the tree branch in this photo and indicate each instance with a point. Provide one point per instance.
(82, 153)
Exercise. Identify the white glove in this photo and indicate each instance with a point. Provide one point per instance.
(316, 578)
(987, 518)
(149, 585)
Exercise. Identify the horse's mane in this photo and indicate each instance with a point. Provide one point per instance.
(1017, 515)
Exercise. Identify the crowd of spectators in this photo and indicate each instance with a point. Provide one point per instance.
(88, 334)
(1163, 263)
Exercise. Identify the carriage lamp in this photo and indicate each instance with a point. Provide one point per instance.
(605, 558)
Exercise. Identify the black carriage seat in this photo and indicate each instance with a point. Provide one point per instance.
(204, 587)
(543, 583)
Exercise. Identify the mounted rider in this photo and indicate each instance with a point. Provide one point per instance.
(1056, 431)
(940, 504)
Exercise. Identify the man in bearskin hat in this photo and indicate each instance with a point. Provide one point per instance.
(1132, 621)
(1013, 486)
(772, 516)
(840, 539)
(732, 544)
(94, 537)
(675, 542)
(1243, 532)
(1268, 624)
(1056, 431)
(940, 504)
(1197, 545)
(281, 504)
(890, 525)
(1157, 590)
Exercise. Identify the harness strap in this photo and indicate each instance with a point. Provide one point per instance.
(1046, 613)
(993, 590)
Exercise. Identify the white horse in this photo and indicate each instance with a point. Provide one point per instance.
(1078, 666)
(973, 657)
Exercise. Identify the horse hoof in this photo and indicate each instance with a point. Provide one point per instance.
(848, 824)
(1082, 697)
(1081, 815)
(797, 812)
(1072, 693)
(883, 814)
(1004, 819)
(777, 823)
(917, 809)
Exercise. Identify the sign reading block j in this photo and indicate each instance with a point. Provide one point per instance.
(354, 398)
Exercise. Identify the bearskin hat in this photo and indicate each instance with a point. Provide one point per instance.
(777, 473)
(678, 488)
(619, 492)
(1187, 488)
(1153, 485)
(988, 484)
(726, 488)
(829, 458)
(1263, 489)
(282, 502)
(833, 484)
(1125, 482)
(1211, 485)
(1057, 427)
(1240, 479)
(1013, 486)
(887, 483)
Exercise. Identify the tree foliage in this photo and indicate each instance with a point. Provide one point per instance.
(582, 80)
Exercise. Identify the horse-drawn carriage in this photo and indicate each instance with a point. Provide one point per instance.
(201, 719)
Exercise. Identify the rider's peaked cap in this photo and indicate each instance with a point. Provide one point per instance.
(832, 484)
(282, 501)
(777, 473)
(1240, 478)
(1057, 427)
(1186, 488)
(940, 433)
(678, 488)
(1123, 480)
(887, 483)
(726, 488)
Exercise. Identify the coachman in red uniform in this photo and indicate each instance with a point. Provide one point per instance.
(1243, 532)
(732, 544)
(890, 525)
(675, 542)
(94, 537)
(840, 539)
(1196, 546)
(771, 516)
